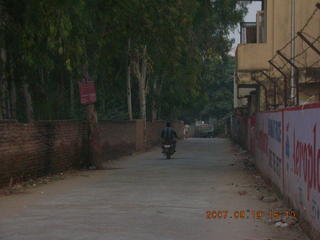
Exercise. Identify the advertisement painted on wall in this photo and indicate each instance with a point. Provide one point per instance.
(302, 161)
(269, 150)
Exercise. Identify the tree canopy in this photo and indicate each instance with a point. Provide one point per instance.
(46, 44)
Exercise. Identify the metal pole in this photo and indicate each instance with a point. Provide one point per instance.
(296, 75)
(285, 83)
(293, 46)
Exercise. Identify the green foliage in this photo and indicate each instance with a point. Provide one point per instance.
(49, 42)
(219, 79)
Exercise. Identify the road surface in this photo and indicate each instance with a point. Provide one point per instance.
(146, 197)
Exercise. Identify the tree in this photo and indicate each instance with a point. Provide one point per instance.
(177, 51)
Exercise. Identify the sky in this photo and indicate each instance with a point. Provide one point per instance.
(251, 17)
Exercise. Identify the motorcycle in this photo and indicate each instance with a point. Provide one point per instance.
(168, 149)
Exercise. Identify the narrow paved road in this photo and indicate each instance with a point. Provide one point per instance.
(145, 197)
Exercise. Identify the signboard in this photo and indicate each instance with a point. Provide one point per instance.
(87, 92)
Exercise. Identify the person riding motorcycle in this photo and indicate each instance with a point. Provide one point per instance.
(168, 134)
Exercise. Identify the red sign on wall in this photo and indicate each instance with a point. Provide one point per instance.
(87, 92)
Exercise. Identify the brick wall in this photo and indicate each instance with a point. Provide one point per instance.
(140, 141)
(45, 147)
(118, 138)
(40, 148)
(153, 133)
(179, 127)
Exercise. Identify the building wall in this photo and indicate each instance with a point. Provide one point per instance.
(285, 143)
(254, 57)
(282, 27)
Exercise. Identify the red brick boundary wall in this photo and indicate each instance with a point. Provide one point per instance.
(179, 127)
(153, 133)
(40, 148)
(119, 138)
(46, 147)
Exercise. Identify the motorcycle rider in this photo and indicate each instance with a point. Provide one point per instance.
(169, 134)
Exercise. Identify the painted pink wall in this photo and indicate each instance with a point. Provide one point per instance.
(287, 150)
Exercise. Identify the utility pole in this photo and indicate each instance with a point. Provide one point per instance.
(294, 72)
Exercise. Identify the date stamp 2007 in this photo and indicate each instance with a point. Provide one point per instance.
(246, 214)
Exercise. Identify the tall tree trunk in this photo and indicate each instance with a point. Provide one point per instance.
(154, 103)
(142, 99)
(72, 114)
(13, 97)
(143, 88)
(92, 117)
(61, 105)
(95, 157)
(103, 100)
(50, 113)
(129, 98)
(28, 101)
(3, 59)
(1, 99)
(6, 100)
(142, 85)
(154, 111)
(139, 66)
(157, 88)
(140, 70)
(5, 88)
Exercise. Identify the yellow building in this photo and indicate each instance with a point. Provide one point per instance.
(278, 58)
